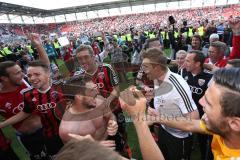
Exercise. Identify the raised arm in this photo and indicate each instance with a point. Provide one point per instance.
(136, 110)
(235, 26)
(182, 123)
(38, 44)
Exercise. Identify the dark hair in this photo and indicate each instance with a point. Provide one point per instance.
(39, 63)
(156, 56)
(198, 37)
(229, 79)
(4, 66)
(234, 62)
(146, 44)
(86, 150)
(199, 56)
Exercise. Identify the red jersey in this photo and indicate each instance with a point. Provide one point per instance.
(11, 103)
(106, 78)
(45, 105)
(220, 63)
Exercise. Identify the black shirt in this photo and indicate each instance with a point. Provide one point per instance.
(198, 85)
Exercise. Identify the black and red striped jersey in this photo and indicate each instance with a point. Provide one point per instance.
(45, 105)
(105, 78)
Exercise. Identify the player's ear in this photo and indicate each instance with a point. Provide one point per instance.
(234, 124)
(3, 78)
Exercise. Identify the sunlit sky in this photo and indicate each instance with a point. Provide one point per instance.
(55, 4)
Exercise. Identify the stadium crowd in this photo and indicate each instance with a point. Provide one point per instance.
(174, 72)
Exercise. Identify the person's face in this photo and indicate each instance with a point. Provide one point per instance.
(180, 59)
(38, 77)
(26, 58)
(196, 42)
(190, 64)
(15, 75)
(155, 44)
(85, 59)
(88, 99)
(213, 54)
(149, 69)
(213, 117)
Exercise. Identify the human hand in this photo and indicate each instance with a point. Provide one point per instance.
(108, 143)
(112, 127)
(133, 102)
(34, 38)
(234, 23)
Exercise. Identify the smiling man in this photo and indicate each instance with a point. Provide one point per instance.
(221, 115)
(104, 76)
(41, 100)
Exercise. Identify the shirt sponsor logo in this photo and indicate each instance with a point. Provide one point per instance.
(196, 90)
(100, 85)
(47, 106)
(18, 108)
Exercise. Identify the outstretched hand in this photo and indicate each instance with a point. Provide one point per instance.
(34, 38)
(234, 23)
(133, 102)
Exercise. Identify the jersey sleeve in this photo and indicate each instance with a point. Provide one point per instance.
(113, 76)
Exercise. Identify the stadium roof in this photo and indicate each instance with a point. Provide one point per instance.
(61, 11)
(45, 8)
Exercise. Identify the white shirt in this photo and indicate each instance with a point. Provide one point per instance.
(173, 99)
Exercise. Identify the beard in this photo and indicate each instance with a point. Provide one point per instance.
(220, 129)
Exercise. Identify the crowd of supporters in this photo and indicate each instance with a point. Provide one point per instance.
(187, 47)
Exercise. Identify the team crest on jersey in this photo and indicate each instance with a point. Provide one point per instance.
(8, 105)
(34, 99)
(101, 75)
(201, 82)
(54, 94)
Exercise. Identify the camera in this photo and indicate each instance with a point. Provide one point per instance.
(171, 19)
(184, 23)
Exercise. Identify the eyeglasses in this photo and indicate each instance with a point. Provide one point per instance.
(211, 52)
